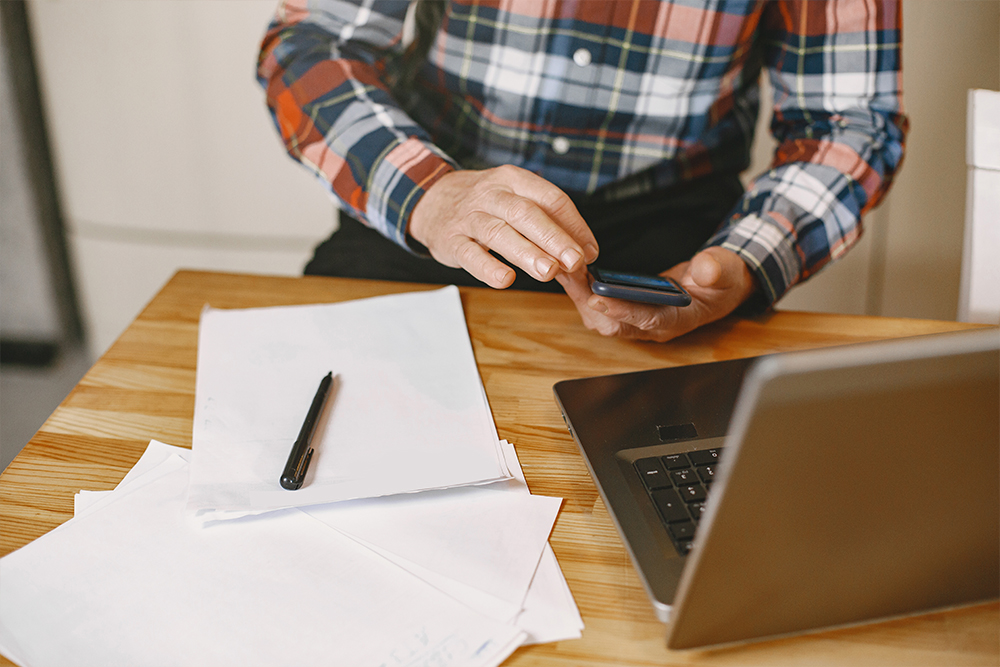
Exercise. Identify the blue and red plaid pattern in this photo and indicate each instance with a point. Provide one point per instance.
(609, 96)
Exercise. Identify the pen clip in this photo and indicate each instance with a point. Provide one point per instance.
(293, 477)
(300, 473)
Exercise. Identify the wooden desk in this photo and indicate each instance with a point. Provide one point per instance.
(143, 388)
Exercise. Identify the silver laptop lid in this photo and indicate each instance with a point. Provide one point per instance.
(857, 483)
(617, 419)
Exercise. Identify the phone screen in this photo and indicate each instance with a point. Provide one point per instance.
(635, 279)
(638, 287)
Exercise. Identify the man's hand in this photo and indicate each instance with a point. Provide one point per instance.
(716, 278)
(521, 216)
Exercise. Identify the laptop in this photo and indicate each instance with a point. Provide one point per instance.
(794, 492)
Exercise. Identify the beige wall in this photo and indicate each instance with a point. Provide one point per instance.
(909, 261)
(164, 152)
(948, 48)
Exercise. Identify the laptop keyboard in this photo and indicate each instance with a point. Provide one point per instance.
(678, 484)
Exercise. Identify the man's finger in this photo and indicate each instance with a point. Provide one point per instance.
(718, 268)
(530, 220)
(481, 264)
(495, 234)
(706, 271)
(576, 286)
(556, 204)
(644, 317)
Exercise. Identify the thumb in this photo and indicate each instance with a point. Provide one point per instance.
(706, 270)
(720, 271)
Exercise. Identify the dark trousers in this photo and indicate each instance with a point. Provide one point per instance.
(645, 234)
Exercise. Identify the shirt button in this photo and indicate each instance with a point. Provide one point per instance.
(560, 145)
(582, 57)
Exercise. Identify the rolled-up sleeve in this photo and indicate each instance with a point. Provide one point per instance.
(835, 70)
(322, 64)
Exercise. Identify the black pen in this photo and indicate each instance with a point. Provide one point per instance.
(301, 454)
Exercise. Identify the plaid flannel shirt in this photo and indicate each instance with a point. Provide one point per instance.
(609, 96)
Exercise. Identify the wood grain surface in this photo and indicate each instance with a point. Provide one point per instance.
(143, 389)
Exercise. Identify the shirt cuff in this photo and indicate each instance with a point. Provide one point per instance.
(399, 179)
(766, 243)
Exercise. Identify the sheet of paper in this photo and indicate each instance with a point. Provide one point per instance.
(407, 411)
(490, 540)
(135, 581)
(548, 612)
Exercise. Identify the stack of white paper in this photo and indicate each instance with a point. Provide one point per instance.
(201, 558)
(407, 411)
(134, 580)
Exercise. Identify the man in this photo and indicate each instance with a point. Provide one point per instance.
(544, 132)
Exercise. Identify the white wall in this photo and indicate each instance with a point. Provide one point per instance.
(166, 157)
(164, 150)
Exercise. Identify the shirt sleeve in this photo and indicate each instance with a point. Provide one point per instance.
(835, 70)
(323, 65)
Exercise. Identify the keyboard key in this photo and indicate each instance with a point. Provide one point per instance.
(684, 477)
(696, 510)
(682, 530)
(684, 546)
(706, 473)
(652, 472)
(676, 461)
(694, 493)
(705, 456)
(670, 505)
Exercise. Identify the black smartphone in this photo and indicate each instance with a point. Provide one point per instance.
(636, 287)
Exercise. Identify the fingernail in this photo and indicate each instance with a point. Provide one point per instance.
(599, 306)
(544, 266)
(590, 252)
(501, 276)
(570, 259)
